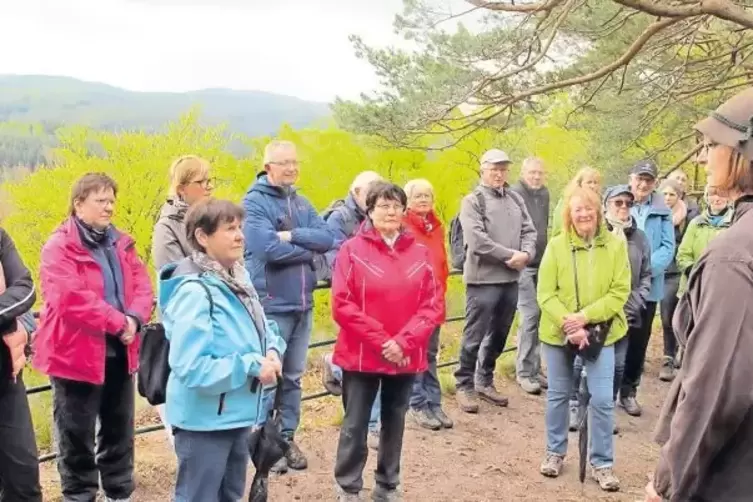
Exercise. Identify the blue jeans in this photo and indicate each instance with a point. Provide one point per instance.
(600, 373)
(620, 353)
(211, 465)
(426, 389)
(376, 408)
(295, 329)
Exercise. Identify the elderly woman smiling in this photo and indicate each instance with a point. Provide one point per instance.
(584, 280)
(387, 302)
(422, 222)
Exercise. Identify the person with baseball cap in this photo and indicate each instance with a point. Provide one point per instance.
(653, 217)
(500, 241)
(706, 425)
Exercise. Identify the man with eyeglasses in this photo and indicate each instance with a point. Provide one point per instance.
(536, 196)
(500, 240)
(283, 235)
(654, 218)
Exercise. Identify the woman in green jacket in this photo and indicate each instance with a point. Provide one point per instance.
(584, 278)
(702, 229)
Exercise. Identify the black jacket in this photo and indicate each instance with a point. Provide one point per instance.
(19, 297)
(639, 253)
(537, 203)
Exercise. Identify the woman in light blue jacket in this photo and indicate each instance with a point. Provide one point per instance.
(223, 352)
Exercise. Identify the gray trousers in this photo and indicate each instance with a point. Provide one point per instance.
(489, 312)
(529, 359)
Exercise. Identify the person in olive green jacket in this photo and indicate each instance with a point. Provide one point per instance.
(584, 279)
(702, 229)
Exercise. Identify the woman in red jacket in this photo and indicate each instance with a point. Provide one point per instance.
(97, 294)
(422, 222)
(387, 301)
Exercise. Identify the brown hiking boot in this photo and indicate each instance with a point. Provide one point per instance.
(467, 400)
(551, 467)
(489, 393)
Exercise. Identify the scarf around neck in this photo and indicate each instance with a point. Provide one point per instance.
(236, 280)
(619, 226)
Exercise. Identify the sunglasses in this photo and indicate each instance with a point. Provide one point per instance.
(622, 203)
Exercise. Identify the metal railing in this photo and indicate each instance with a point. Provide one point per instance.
(316, 395)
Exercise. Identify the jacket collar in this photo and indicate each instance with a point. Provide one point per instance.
(533, 192)
(262, 184)
(742, 205)
(657, 206)
(418, 223)
(369, 233)
(352, 205)
(576, 242)
(705, 218)
(72, 237)
(493, 191)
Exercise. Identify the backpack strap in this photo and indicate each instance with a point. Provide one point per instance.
(206, 289)
(481, 205)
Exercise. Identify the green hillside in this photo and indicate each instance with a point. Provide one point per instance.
(33, 107)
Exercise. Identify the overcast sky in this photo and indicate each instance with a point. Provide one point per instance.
(294, 47)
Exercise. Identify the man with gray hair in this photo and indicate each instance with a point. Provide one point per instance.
(536, 197)
(500, 241)
(283, 235)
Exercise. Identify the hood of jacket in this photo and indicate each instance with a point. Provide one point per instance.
(263, 185)
(171, 211)
(705, 218)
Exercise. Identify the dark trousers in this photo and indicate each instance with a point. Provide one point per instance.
(359, 391)
(427, 392)
(489, 313)
(76, 408)
(19, 467)
(668, 306)
(636, 353)
(211, 465)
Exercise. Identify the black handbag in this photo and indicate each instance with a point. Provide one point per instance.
(266, 446)
(597, 332)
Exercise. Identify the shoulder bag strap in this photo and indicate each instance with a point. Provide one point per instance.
(575, 274)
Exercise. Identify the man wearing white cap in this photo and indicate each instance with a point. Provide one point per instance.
(500, 240)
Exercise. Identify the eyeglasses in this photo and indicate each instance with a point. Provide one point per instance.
(422, 196)
(205, 182)
(619, 203)
(387, 207)
(286, 163)
(104, 202)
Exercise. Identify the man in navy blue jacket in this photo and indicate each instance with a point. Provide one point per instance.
(283, 235)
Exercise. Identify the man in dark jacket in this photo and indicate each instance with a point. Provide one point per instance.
(19, 467)
(536, 197)
(283, 235)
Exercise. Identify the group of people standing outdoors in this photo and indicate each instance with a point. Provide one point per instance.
(235, 286)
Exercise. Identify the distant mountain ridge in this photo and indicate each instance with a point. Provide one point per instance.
(65, 101)
(33, 107)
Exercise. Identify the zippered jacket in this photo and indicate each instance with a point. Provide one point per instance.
(282, 272)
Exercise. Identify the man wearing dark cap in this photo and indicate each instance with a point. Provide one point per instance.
(652, 216)
(500, 240)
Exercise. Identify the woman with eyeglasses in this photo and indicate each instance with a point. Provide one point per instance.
(674, 195)
(706, 424)
(387, 301)
(189, 184)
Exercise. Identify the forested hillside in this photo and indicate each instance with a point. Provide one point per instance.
(33, 108)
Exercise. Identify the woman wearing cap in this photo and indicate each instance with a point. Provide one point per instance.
(652, 216)
(587, 177)
(617, 203)
(584, 279)
(673, 193)
(706, 426)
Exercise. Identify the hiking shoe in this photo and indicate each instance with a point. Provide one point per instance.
(631, 406)
(616, 429)
(280, 467)
(542, 381)
(530, 386)
(424, 418)
(551, 467)
(108, 499)
(440, 415)
(381, 494)
(574, 418)
(343, 496)
(667, 371)
(295, 458)
(331, 384)
(489, 393)
(467, 400)
(372, 440)
(606, 479)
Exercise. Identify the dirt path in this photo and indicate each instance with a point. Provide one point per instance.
(487, 457)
